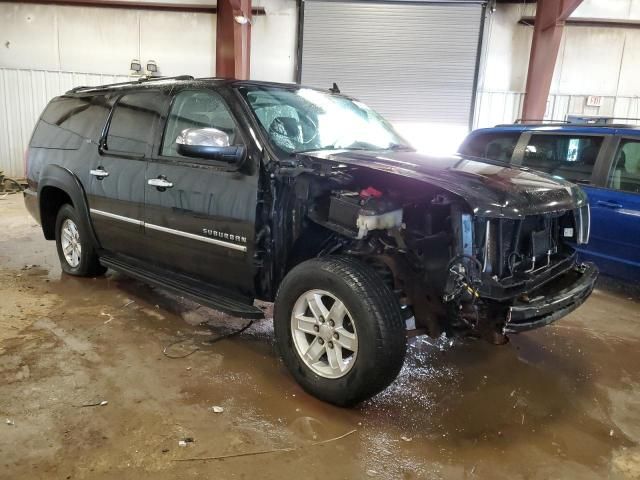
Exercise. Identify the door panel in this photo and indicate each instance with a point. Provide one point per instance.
(116, 204)
(615, 216)
(203, 225)
(117, 186)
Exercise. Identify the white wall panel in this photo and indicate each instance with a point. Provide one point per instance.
(104, 40)
(273, 45)
(629, 83)
(100, 40)
(188, 3)
(591, 61)
(23, 96)
(42, 46)
(494, 108)
(182, 43)
(28, 36)
(600, 61)
(622, 9)
(506, 66)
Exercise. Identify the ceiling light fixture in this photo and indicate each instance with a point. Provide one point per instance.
(242, 20)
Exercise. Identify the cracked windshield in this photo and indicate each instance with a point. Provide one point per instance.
(305, 120)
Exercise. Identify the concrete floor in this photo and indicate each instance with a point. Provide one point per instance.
(561, 402)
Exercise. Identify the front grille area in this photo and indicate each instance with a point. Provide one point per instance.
(511, 247)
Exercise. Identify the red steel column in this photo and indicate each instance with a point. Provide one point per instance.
(233, 39)
(547, 34)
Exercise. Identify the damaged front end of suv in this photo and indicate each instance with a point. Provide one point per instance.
(467, 247)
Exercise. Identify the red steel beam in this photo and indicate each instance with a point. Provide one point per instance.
(233, 39)
(547, 34)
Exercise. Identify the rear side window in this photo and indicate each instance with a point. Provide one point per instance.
(68, 120)
(132, 123)
(569, 157)
(494, 146)
(625, 173)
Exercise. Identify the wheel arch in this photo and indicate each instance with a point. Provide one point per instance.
(58, 186)
(308, 243)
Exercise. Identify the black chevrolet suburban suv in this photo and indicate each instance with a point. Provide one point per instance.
(229, 191)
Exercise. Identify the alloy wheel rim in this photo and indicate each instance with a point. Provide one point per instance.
(70, 240)
(324, 333)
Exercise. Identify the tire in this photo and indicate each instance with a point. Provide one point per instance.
(372, 325)
(81, 259)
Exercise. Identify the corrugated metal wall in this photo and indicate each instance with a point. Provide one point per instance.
(23, 96)
(493, 108)
(412, 62)
(43, 44)
(559, 106)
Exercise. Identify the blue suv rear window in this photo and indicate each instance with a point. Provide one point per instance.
(571, 157)
(494, 146)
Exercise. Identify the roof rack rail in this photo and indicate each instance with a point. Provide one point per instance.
(627, 119)
(539, 120)
(600, 120)
(131, 82)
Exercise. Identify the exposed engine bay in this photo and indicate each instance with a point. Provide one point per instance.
(452, 269)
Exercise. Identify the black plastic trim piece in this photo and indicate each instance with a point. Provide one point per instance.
(527, 316)
(64, 179)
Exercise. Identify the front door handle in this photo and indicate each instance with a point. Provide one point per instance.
(99, 172)
(161, 183)
(605, 204)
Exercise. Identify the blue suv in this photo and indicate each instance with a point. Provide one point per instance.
(603, 160)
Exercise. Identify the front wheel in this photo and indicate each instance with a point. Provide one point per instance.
(339, 329)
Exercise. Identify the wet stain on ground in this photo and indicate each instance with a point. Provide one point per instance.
(561, 402)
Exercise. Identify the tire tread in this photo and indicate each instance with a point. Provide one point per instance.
(382, 307)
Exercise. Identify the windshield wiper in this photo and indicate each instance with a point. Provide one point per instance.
(398, 146)
(372, 148)
(330, 147)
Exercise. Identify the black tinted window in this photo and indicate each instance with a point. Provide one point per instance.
(67, 120)
(494, 146)
(197, 109)
(132, 123)
(625, 173)
(569, 157)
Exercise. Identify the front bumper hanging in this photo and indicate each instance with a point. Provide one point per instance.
(552, 301)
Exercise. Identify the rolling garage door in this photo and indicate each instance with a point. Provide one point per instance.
(413, 62)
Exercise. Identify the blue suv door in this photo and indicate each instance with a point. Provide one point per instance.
(615, 215)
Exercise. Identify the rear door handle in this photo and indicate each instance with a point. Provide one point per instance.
(160, 183)
(604, 203)
(99, 172)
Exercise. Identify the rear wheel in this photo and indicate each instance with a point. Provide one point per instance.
(339, 329)
(76, 253)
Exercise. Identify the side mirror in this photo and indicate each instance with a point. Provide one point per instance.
(209, 143)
